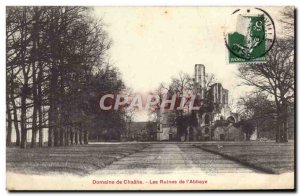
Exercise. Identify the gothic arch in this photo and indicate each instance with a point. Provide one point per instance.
(206, 119)
(231, 119)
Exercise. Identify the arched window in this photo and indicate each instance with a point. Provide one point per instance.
(206, 119)
(222, 137)
(230, 119)
(206, 131)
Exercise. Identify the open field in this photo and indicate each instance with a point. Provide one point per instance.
(267, 156)
(79, 160)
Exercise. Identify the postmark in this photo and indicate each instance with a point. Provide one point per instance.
(249, 35)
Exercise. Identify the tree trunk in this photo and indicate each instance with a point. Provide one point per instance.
(18, 139)
(277, 132)
(41, 134)
(67, 136)
(72, 135)
(52, 140)
(23, 117)
(50, 137)
(25, 88)
(281, 128)
(62, 136)
(24, 139)
(86, 137)
(9, 125)
(285, 131)
(50, 124)
(23, 123)
(16, 123)
(56, 130)
(33, 139)
(39, 106)
(56, 136)
(80, 135)
(34, 65)
(15, 113)
(34, 126)
(76, 137)
(278, 127)
(248, 136)
(285, 123)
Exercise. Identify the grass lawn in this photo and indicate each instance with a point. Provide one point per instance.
(81, 160)
(267, 156)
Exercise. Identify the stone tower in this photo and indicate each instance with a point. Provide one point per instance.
(200, 82)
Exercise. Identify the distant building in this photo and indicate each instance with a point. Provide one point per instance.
(141, 131)
(166, 131)
(212, 122)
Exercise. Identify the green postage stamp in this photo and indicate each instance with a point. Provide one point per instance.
(252, 35)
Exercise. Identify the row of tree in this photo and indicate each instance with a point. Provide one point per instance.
(57, 66)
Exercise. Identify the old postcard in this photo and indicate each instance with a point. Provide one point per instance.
(150, 98)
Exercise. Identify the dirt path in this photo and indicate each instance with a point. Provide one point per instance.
(171, 157)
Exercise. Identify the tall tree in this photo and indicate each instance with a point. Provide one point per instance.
(276, 78)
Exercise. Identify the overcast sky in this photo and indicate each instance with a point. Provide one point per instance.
(152, 44)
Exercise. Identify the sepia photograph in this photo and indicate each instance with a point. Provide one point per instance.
(149, 98)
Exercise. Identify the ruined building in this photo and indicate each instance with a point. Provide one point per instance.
(213, 121)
